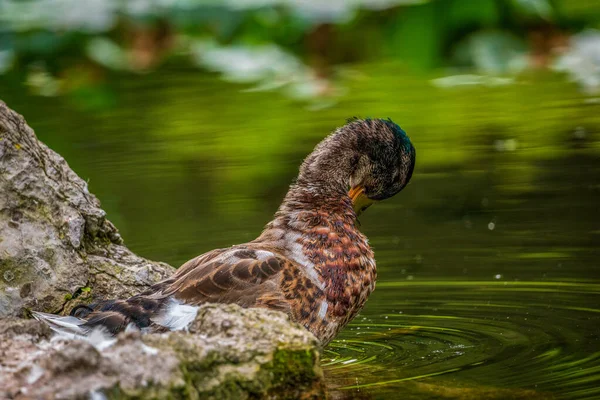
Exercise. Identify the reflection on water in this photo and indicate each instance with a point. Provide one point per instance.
(488, 272)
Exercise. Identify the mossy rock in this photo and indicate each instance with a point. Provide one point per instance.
(229, 353)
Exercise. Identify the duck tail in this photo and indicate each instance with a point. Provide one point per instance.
(70, 326)
(109, 317)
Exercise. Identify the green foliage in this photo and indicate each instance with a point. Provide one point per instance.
(417, 34)
(458, 14)
(422, 34)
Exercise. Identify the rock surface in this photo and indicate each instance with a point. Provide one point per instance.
(229, 353)
(57, 249)
(55, 241)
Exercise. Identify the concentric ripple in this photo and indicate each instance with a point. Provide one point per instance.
(471, 340)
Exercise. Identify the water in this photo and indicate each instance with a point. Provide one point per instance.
(470, 339)
(488, 274)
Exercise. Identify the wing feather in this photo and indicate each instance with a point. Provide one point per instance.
(233, 276)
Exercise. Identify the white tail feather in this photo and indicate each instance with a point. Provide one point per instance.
(72, 328)
(63, 325)
(176, 316)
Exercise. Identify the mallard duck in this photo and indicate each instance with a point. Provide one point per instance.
(310, 261)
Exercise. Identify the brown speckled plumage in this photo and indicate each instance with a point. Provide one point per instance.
(311, 261)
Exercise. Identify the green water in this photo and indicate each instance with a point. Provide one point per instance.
(489, 283)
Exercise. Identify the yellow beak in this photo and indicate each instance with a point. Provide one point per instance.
(360, 201)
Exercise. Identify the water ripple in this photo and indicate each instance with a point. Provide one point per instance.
(471, 340)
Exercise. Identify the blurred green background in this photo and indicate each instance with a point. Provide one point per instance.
(189, 119)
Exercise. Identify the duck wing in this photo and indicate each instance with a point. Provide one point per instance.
(247, 277)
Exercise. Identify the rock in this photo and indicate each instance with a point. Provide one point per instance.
(56, 244)
(57, 249)
(229, 353)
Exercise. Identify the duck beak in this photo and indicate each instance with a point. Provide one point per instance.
(360, 201)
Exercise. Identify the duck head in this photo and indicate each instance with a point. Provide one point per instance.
(367, 159)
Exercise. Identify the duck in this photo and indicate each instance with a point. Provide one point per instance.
(310, 262)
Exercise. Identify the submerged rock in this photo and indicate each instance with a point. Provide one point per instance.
(229, 353)
(55, 241)
(57, 249)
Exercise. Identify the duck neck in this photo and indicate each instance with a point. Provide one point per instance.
(319, 196)
(304, 196)
(305, 209)
(323, 183)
